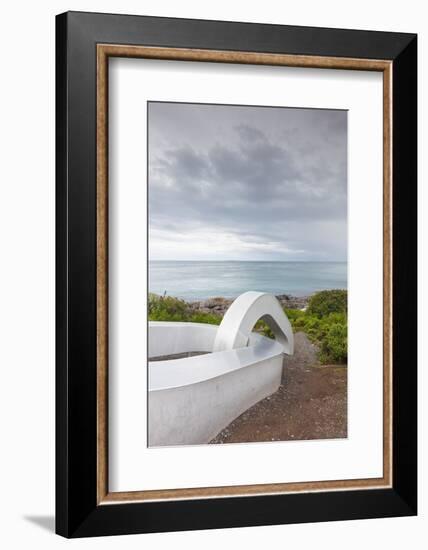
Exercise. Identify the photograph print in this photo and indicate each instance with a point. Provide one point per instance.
(247, 274)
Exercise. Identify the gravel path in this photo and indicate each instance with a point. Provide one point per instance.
(311, 403)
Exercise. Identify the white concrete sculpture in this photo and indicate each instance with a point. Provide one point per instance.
(239, 320)
(192, 399)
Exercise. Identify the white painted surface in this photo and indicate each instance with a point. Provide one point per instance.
(196, 411)
(192, 370)
(166, 338)
(243, 314)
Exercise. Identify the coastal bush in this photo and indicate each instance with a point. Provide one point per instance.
(168, 308)
(202, 317)
(334, 345)
(328, 330)
(325, 322)
(328, 301)
(264, 329)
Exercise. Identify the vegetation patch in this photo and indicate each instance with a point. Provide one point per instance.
(325, 321)
(325, 302)
(168, 308)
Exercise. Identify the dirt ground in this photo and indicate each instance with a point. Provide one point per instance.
(311, 403)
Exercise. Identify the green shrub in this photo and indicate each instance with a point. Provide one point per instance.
(264, 329)
(334, 346)
(325, 322)
(295, 315)
(166, 308)
(202, 317)
(328, 301)
(329, 333)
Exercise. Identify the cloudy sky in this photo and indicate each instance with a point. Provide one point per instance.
(247, 183)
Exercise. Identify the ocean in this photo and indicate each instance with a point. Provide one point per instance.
(191, 280)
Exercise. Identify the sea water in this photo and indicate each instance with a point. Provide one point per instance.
(199, 280)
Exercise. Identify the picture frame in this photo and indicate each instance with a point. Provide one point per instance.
(84, 44)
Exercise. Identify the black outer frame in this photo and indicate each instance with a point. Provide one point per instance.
(77, 513)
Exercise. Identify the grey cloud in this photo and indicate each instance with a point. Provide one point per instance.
(249, 133)
(275, 174)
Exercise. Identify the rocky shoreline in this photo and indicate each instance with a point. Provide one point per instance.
(220, 305)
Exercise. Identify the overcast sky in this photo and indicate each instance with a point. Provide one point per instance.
(247, 183)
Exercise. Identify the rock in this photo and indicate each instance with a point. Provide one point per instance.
(220, 305)
(293, 302)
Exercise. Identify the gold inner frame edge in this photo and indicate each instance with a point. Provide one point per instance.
(104, 51)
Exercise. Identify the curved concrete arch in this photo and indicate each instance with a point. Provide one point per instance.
(193, 398)
(239, 320)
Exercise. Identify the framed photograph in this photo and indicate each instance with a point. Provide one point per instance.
(236, 274)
